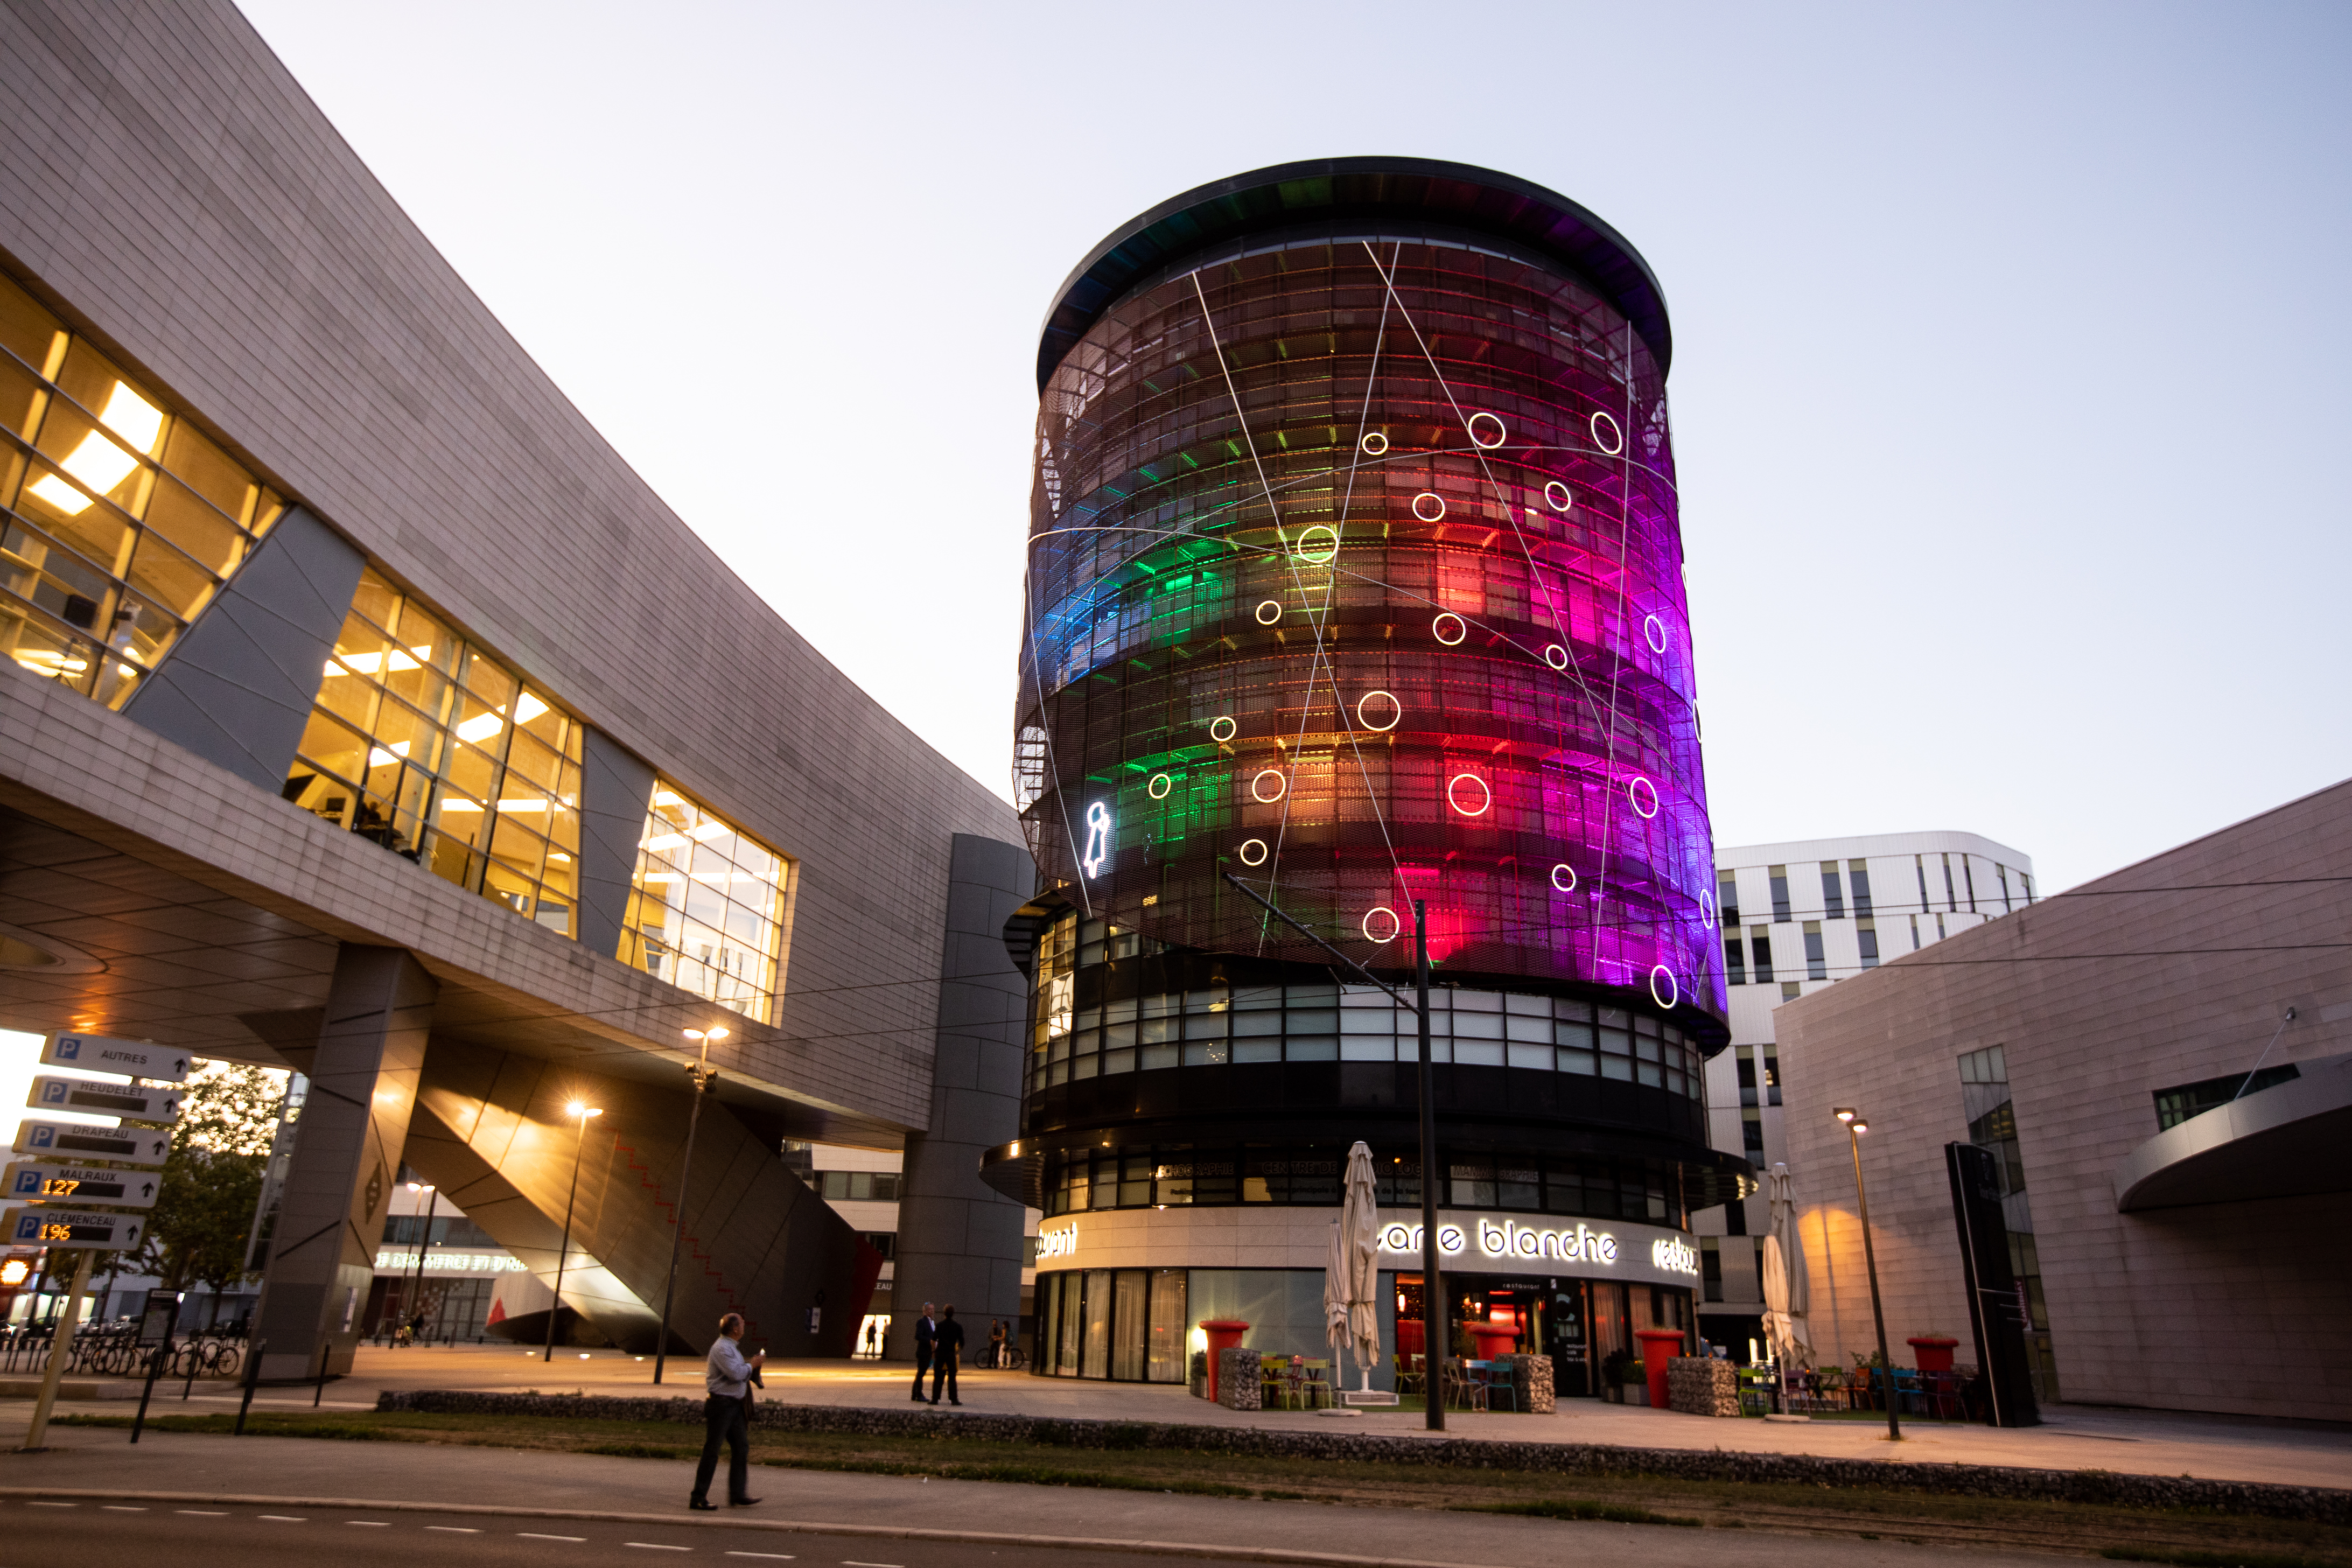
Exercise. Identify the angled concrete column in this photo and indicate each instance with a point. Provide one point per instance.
(346, 1154)
(959, 1239)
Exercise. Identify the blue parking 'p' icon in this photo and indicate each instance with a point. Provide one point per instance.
(68, 1048)
(53, 1094)
(28, 1181)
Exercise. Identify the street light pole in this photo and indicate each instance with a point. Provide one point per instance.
(700, 1075)
(1855, 1126)
(563, 1254)
(425, 1240)
(1434, 1342)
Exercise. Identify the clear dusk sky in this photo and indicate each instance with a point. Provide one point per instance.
(2008, 388)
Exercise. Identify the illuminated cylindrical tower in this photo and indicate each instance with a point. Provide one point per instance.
(1355, 573)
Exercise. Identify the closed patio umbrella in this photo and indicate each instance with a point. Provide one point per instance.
(1360, 1227)
(1785, 1296)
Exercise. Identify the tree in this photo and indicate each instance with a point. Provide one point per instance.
(212, 1177)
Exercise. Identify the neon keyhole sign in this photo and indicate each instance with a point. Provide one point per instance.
(1098, 838)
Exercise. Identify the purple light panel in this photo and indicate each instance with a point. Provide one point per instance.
(1357, 572)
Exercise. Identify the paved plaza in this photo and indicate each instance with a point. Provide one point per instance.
(2074, 1438)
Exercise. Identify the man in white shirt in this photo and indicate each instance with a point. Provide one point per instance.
(726, 1414)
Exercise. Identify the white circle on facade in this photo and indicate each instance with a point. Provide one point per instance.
(1159, 785)
(1373, 444)
(1635, 789)
(1226, 721)
(1386, 918)
(1654, 632)
(1433, 499)
(1454, 794)
(1257, 786)
(1556, 656)
(1707, 908)
(1461, 628)
(1264, 618)
(1556, 496)
(1674, 992)
(1568, 886)
(1257, 844)
(1613, 442)
(1394, 717)
(1308, 555)
(1500, 432)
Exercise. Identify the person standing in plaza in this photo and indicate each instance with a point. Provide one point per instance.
(725, 1417)
(947, 1347)
(925, 1332)
(995, 1342)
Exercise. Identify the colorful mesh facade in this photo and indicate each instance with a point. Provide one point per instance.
(1355, 571)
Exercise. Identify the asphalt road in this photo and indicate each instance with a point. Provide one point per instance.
(233, 1537)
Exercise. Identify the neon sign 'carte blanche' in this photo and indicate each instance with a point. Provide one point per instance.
(1056, 1243)
(1507, 1239)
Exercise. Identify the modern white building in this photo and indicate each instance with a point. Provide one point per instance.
(862, 1187)
(1798, 917)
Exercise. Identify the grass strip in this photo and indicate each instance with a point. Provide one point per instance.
(1581, 1507)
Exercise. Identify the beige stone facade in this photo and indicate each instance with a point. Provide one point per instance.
(2168, 973)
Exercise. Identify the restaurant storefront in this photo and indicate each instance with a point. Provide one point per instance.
(1121, 1295)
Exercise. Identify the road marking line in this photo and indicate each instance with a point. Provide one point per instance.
(371, 1523)
(201, 1512)
(771, 1556)
(531, 1535)
(120, 1507)
(852, 1562)
(454, 1528)
(284, 1518)
(654, 1546)
(52, 1505)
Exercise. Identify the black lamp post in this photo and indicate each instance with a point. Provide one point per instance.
(563, 1254)
(701, 1076)
(1855, 1126)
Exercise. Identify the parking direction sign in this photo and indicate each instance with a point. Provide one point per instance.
(49, 1181)
(76, 1229)
(51, 1092)
(130, 1145)
(102, 1053)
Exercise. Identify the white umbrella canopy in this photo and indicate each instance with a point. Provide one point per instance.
(1335, 1292)
(1359, 1226)
(1784, 1272)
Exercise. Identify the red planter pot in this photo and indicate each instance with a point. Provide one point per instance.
(1932, 1352)
(1658, 1347)
(1225, 1334)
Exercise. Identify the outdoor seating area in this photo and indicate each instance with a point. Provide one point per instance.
(1294, 1383)
(1931, 1395)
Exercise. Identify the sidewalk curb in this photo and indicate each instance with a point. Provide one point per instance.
(775, 1526)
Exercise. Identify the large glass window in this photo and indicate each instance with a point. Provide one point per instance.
(118, 520)
(429, 746)
(706, 907)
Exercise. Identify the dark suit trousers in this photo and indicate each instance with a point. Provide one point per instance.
(922, 1367)
(724, 1419)
(943, 1372)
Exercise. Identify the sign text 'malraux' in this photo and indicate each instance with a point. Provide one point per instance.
(30, 1181)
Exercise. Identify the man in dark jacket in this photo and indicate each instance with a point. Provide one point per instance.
(925, 1333)
(947, 1346)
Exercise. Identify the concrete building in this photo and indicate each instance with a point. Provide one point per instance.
(2162, 1061)
(1797, 919)
(1355, 585)
(364, 714)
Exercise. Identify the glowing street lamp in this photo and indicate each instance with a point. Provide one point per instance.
(563, 1254)
(1855, 1126)
(702, 1076)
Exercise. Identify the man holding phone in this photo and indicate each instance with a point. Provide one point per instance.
(725, 1415)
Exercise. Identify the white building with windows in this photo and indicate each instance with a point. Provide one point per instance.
(1798, 917)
